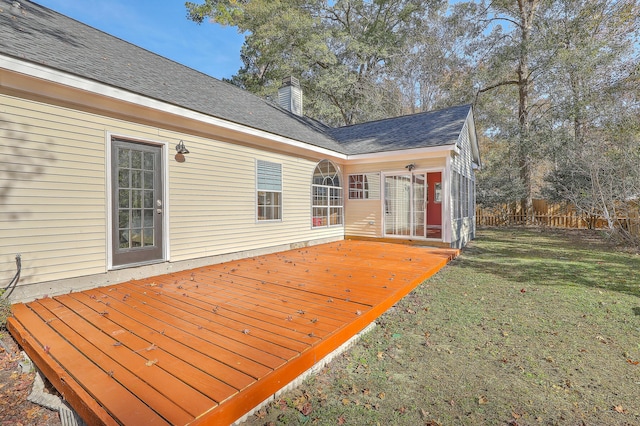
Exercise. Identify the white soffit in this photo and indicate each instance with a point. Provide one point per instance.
(407, 154)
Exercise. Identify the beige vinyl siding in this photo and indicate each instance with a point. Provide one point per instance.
(360, 213)
(54, 204)
(363, 218)
(52, 193)
(213, 201)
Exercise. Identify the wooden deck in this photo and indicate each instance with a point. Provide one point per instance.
(205, 346)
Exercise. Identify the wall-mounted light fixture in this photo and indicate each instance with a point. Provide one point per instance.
(181, 151)
(410, 166)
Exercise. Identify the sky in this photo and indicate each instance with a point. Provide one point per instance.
(160, 26)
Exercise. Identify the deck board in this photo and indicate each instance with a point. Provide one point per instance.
(207, 345)
(126, 367)
(169, 362)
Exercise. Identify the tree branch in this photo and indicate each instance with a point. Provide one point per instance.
(495, 86)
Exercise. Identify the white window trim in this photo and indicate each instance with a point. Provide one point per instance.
(443, 204)
(258, 190)
(365, 187)
(166, 248)
(328, 206)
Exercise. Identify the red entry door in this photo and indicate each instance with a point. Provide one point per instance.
(434, 205)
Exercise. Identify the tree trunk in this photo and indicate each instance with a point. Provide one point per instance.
(527, 9)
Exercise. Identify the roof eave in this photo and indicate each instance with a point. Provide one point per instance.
(432, 151)
(81, 85)
(473, 139)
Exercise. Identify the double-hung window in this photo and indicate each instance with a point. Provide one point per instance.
(358, 187)
(269, 190)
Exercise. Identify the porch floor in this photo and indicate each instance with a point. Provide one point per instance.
(207, 345)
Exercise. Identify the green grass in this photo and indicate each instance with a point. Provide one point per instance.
(526, 327)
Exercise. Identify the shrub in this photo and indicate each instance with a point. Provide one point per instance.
(5, 310)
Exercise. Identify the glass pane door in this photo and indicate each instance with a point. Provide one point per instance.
(137, 203)
(405, 203)
(397, 204)
(419, 205)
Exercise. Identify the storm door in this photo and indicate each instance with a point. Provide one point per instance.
(405, 205)
(137, 203)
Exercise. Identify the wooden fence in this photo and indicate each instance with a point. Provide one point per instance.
(551, 215)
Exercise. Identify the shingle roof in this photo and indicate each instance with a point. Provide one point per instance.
(427, 129)
(37, 34)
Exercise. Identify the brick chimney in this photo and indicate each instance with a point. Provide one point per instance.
(290, 95)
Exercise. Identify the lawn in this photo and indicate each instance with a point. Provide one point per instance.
(526, 327)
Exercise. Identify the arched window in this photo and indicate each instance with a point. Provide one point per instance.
(326, 196)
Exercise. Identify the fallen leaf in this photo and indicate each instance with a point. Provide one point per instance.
(482, 400)
(283, 404)
(382, 395)
(151, 362)
(410, 311)
(346, 401)
(619, 409)
(33, 412)
(306, 409)
(341, 420)
(633, 362)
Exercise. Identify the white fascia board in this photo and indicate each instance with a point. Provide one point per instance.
(62, 78)
(473, 139)
(435, 151)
